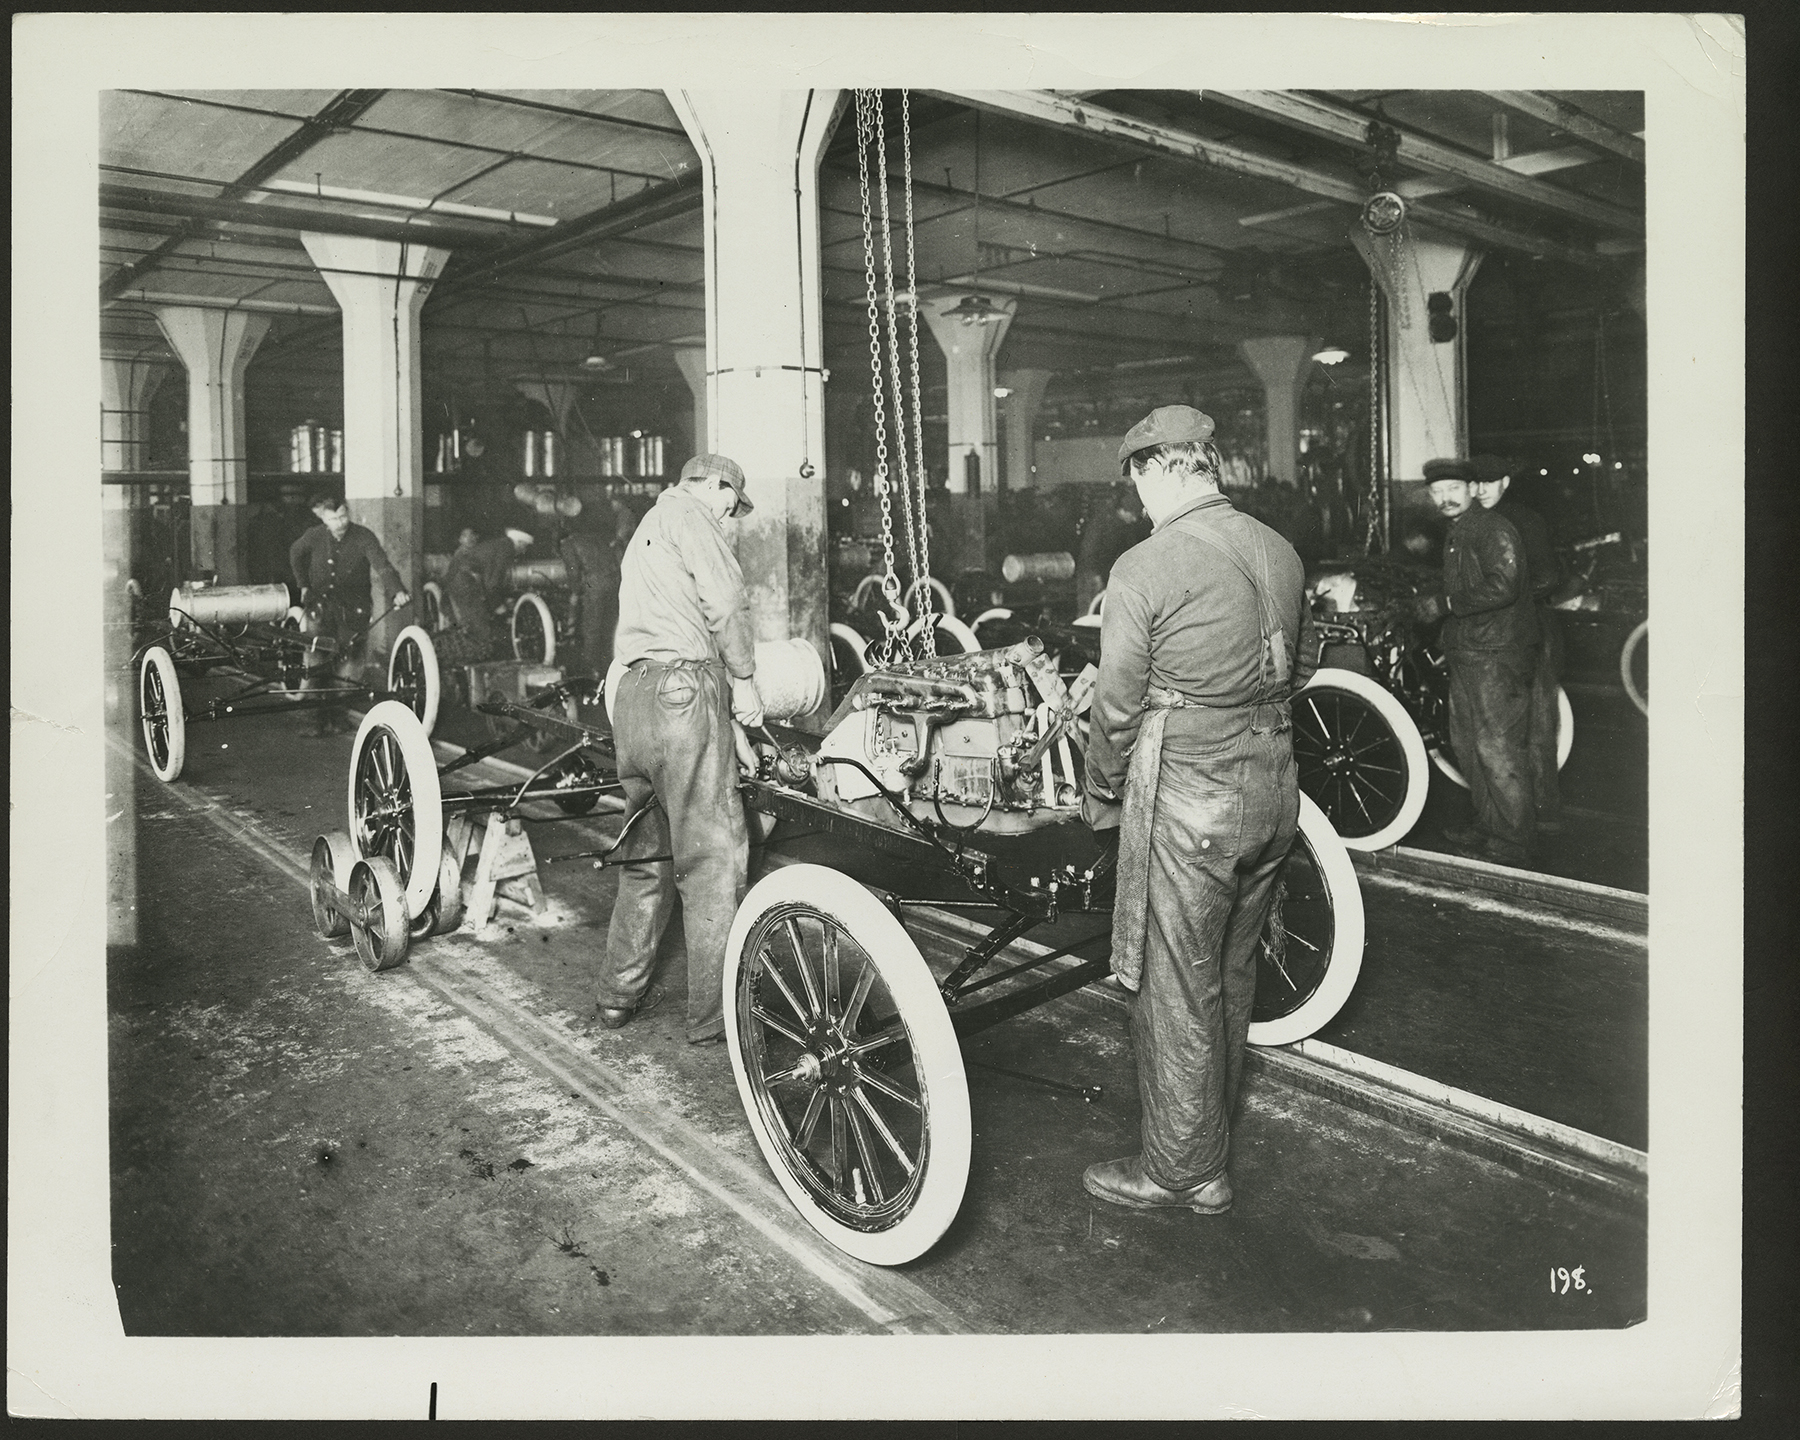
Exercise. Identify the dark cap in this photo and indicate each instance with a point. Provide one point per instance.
(1166, 425)
(1450, 470)
(1489, 468)
(721, 468)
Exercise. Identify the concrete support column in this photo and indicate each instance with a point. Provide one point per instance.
(1282, 363)
(580, 452)
(1020, 409)
(379, 286)
(763, 401)
(126, 386)
(215, 346)
(1427, 381)
(969, 353)
(693, 370)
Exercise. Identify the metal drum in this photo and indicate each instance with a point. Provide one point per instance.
(537, 574)
(790, 677)
(1043, 565)
(228, 604)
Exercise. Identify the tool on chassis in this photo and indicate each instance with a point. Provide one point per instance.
(251, 635)
(952, 783)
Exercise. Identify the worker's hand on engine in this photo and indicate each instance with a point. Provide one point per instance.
(746, 752)
(746, 703)
(401, 599)
(1426, 608)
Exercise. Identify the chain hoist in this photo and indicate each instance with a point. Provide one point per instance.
(893, 344)
(893, 619)
(922, 576)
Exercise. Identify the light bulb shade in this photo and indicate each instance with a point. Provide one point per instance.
(974, 310)
(1332, 355)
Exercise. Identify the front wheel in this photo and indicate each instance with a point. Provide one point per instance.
(396, 807)
(1312, 946)
(1445, 758)
(162, 714)
(847, 1064)
(1360, 757)
(1634, 666)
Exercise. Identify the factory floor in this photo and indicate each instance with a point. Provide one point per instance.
(455, 1147)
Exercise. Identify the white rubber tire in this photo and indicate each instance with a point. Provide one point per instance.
(1405, 730)
(939, 590)
(420, 640)
(999, 612)
(1339, 877)
(1099, 605)
(859, 597)
(1627, 654)
(1565, 741)
(816, 890)
(404, 744)
(157, 681)
(528, 602)
(954, 628)
(854, 642)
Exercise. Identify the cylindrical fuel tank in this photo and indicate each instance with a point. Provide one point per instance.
(1043, 565)
(228, 604)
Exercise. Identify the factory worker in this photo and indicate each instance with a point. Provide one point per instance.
(334, 565)
(475, 581)
(685, 659)
(1204, 639)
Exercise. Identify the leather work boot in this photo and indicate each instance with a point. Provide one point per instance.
(1123, 1182)
(615, 1016)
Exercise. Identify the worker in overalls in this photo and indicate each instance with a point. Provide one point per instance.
(474, 582)
(593, 565)
(689, 669)
(1202, 643)
(334, 564)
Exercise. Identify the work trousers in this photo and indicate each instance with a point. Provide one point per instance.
(1545, 794)
(474, 615)
(1490, 729)
(596, 620)
(341, 660)
(672, 730)
(1226, 814)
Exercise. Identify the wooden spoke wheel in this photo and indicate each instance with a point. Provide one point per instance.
(1361, 758)
(847, 1064)
(161, 713)
(396, 808)
(533, 629)
(413, 675)
(1311, 950)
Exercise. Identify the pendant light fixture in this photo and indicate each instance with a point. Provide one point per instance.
(976, 309)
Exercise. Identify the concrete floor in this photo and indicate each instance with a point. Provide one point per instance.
(303, 1148)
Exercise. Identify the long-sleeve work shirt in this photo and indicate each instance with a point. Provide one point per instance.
(1487, 585)
(488, 562)
(1182, 616)
(681, 591)
(339, 570)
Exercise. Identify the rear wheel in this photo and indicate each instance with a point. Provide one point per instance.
(1360, 757)
(1312, 946)
(533, 629)
(847, 1064)
(162, 714)
(413, 676)
(1634, 666)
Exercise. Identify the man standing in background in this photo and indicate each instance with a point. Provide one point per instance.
(334, 565)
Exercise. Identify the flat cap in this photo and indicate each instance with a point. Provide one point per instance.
(1489, 468)
(1165, 425)
(722, 468)
(1449, 470)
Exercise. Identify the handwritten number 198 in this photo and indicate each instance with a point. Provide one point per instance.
(1562, 1281)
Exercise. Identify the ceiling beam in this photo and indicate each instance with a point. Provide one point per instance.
(1333, 122)
(1571, 121)
(286, 217)
(1045, 108)
(335, 115)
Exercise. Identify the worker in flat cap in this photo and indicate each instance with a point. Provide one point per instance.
(1205, 637)
(474, 583)
(335, 566)
(684, 669)
(1493, 491)
(1490, 639)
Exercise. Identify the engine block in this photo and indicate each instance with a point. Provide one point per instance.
(984, 739)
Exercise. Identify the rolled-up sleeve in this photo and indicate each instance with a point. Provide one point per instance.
(1124, 680)
(720, 583)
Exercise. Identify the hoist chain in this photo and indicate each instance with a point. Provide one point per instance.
(883, 651)
(1372, 501)
(922, 570)
(901, 466)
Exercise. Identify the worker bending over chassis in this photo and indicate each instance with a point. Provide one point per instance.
(334, 565)
(685, 642)
(1203, 641)
(474, 582)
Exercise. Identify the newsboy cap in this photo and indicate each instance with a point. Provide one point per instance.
(1449, 470)
(1489, 468)
(1165, 425)
(722, 468)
